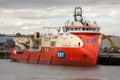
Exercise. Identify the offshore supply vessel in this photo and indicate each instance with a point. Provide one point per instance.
(78, 44)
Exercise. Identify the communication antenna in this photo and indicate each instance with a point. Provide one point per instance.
(78, 14)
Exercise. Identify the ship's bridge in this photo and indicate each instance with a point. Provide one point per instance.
(80, 25)
(81, 29)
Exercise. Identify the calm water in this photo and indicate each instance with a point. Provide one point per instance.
(23, 71)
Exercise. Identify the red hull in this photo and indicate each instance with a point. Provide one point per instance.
(86, 55)
(80, 57)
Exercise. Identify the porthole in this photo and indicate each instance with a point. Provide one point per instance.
(84, 56)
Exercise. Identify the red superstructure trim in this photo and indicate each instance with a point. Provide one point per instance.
(81, 27)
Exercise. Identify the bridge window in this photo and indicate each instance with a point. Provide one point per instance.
(67, 28)
(79, 29)
(87, 29)
(76, 28)
(93, 29)
(98, 29)
(83, 28)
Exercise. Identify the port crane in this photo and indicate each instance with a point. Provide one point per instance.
(113, 48)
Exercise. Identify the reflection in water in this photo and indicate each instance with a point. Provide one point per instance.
(24, 71)
(80, 79)
(66, 78)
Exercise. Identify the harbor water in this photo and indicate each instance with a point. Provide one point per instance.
(29, 71)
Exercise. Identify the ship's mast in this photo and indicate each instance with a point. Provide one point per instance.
(78, 14)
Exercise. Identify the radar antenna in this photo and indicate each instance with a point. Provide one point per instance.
(78, 14)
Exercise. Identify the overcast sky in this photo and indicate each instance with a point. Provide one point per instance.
(28, 16)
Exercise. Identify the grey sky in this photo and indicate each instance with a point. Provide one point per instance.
(27, 16)
(48, 3)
